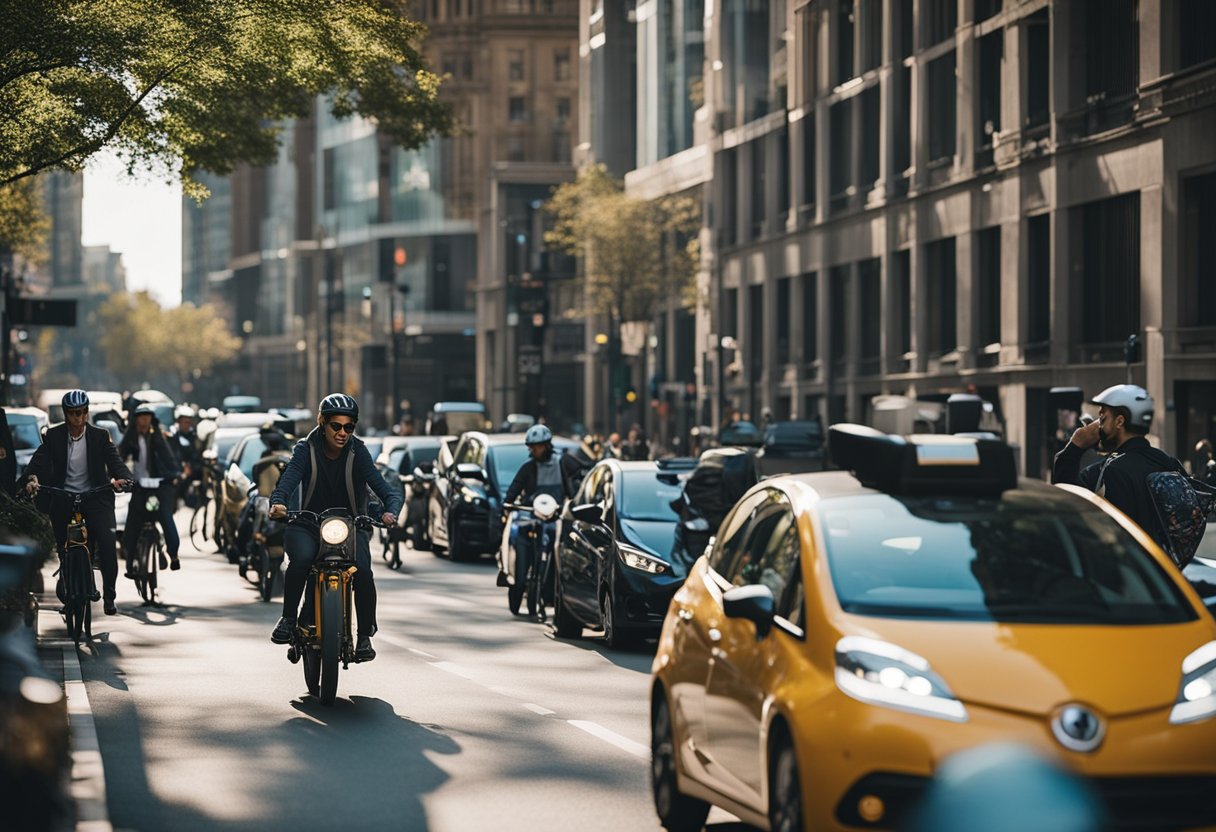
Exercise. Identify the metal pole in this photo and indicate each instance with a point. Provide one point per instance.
(392, 334)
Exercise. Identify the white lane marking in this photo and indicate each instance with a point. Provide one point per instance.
(88, 774)
(455, 670)
(444, 600)
(611, 737)
(422, 653)
(537, 709)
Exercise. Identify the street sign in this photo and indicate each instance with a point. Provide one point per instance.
(35, 312)
(529, 363)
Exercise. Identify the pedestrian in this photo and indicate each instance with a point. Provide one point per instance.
(635, 446)
(612, 448)
(1125, 413)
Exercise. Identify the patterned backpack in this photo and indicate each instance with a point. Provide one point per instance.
(1183, 505)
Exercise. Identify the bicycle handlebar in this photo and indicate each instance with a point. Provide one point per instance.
(359, 520)
(82, 494)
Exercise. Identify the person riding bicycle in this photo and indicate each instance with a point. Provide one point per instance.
(334, 469)
(188, 446)
(154, 459)
(544, 472)
(78, 456)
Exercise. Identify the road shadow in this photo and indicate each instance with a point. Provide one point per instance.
(637, 659)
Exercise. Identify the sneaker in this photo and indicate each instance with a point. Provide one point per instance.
(540, 616)
(110, 609)
(363, 649)
(130, 573)
(163, 564)
(175, 564)
(283, 631)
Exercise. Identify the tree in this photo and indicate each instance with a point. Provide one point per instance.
(142, 341)
(24, 224)
(201, 84)
(636, 254)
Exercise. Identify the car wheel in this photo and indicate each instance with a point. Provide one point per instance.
(457, 551)
(565, 625)
(677, 812)
(614, 637)
(436, 550)
(784, 789)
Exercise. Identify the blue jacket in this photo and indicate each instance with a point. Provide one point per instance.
(361, 474)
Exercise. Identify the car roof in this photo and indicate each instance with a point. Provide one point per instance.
(515, 439)
(458, 407)
(810, 488)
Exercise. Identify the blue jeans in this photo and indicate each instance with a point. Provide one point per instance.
(137, 515)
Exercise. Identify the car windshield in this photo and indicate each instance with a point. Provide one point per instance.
(796, 435)
(504, 462)
(643, 496)
(225, 443)
(418, 455)
(1023, 558)
(250, 454)
(25, 433)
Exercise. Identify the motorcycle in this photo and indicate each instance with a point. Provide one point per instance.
(411, 522)
(526, 554)
(323, 640)
(262, 557)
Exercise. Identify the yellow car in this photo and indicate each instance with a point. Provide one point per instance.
(845, 632)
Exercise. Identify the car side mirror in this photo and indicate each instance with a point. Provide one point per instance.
(588, 513)
(754, 603)
(470, 471)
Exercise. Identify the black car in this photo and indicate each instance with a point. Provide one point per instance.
(792, 448)
(613, 571)
(411, 461)
(466, 497)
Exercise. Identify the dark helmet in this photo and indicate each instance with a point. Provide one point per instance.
(339, 404)
(75, 398)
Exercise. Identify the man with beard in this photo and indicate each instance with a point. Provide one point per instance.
(1125, 413)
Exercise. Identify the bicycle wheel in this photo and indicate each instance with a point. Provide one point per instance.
(312, 670)
(200, 527)
(266, 572)
(143, 563)
(74, 619)
(332, 628)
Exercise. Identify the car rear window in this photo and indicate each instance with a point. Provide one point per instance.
(25, 432)
(800, 435)
(1022, 558)
(506, 460)
(643, 496)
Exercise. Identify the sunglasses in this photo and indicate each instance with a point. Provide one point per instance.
(75, 411)
(342, 427)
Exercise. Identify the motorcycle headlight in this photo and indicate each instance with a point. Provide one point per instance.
(635, 558)
(883, 674)
(469, 495)
(545, 507)
(334, 531)
(1197, 693)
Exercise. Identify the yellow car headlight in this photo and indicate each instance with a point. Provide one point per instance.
(880, 673)
(334, 531)
(1197, 693)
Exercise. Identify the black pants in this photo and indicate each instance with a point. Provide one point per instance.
(301, 544)
(138, 513)
(99, 521)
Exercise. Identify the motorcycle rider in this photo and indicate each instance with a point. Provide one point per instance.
(78, 456)
(334, 469)
(154, 458)
(544, 472)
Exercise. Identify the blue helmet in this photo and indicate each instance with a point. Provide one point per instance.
(538, 435)
(339, 404)
(75, 398)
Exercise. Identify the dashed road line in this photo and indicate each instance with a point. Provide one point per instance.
(537, 709)
(611, 737)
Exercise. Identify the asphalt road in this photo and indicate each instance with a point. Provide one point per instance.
(468, 718)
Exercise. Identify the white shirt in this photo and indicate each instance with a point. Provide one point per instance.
(141, 464)
(77, 478)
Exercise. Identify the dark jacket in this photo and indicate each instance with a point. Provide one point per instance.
(1123, 483)
(525, 479)
(361, 474)
(163, 462)
(50, 461)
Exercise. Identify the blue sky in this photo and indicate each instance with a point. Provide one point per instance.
(142, 218)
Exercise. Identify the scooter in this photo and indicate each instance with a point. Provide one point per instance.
(526, 554)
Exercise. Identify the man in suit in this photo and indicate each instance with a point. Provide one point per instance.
(78, 456)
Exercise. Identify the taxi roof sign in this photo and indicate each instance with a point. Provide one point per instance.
(923, 464)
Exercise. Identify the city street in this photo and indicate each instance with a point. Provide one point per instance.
(467, 719)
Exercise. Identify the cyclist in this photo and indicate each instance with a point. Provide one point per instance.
(544, 472)
(334, 469)
(188, 446)
(78, 456)
(154, 459)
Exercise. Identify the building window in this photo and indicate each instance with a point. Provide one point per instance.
(730, 196)
(1197, 20)
(840, 117)
(563, 109)
(942, 279)
(808, 160)
(988, 286)
(448, 64)
(907, 29)
(758, 207)
(1038, 273)
(902, 129)
(807, 27)
(517, 110)
(783, 172)
(985, 9)
(901, 261)
(466, 67)
(940, 19)
(561, 146)
(730, 313)
(845, 22)
(783, 320)
(1110, 269)
(871, 35)
(810, 317)
(561, 65)
(515, 149)
(869, 276)
(515, 64)
(991, 54)
(1112, 49)
(943, 97)
(838, 306)
(329, 197)
(753, 346)
(1038, 68)
(1198, 285)
(871, 112)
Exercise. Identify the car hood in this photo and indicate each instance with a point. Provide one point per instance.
(655, 536)
(1035, 668)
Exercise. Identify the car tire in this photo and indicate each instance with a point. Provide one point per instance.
(784, 787)
(677, 812)
(436, 550)
(565, 625)
(457, 551)
(614, 637)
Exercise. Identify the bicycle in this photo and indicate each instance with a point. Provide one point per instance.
(150, 548)
(326, 642)
(205, 527)
(75, 570)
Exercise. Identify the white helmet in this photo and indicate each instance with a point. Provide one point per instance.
(538, 435)
(1136, 399)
